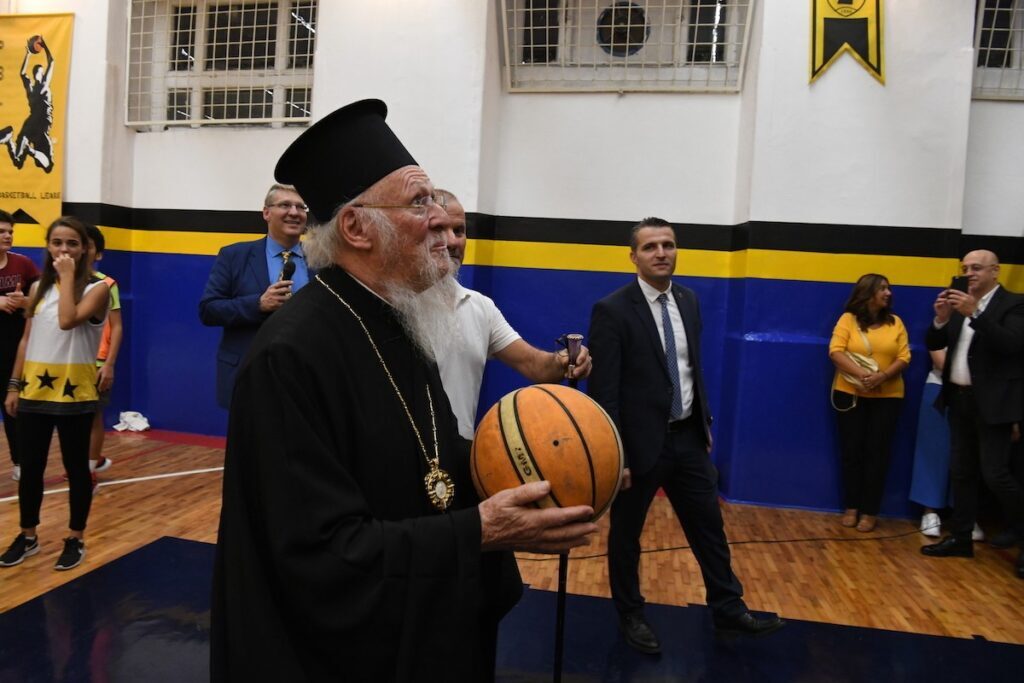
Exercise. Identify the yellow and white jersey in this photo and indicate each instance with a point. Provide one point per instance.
(60, 365)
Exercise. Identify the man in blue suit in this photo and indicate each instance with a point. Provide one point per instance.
(248, 282)
(648, 377)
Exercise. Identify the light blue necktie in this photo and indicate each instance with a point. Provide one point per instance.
(670, 358)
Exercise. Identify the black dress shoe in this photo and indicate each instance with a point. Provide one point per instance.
(639, 634)
(1007, 538)
(950, 546)
(747, 624)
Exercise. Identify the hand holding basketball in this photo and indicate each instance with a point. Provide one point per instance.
(554, 434)
(509, 522)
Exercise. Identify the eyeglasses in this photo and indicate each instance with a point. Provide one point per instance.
(419, 206)
(975, 267)
(288, 206)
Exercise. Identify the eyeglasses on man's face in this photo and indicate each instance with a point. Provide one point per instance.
(975, 267)
(419, 206)
(288, 206)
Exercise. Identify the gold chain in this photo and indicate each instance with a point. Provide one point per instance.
(434, 462)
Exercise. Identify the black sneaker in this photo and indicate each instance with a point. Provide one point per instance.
(74, 551)
(21, 548)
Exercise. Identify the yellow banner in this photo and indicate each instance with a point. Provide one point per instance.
(35, 60)
(853, 26)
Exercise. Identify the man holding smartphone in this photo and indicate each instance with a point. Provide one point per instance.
(983, 388)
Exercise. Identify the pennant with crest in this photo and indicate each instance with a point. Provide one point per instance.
(853, 26)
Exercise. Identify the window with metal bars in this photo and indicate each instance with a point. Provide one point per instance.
(622, 45)
(999, 47)
(203, 62)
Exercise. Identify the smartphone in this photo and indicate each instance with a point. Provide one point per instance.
(959, 283)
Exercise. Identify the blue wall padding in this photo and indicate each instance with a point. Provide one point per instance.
(173, 353)
(765, 361)
(765, 347)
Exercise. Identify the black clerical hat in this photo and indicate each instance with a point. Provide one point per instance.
(341, 155)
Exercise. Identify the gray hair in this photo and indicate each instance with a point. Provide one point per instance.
(274, 189)
(323, 241)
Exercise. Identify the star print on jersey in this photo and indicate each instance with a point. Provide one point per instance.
(45, 380)
(69, 388)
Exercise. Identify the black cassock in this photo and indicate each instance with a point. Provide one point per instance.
(331, 562)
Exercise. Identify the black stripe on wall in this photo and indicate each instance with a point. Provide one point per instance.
(809, 237)
(190, 220)
(611, 233)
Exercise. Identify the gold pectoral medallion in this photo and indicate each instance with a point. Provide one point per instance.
(440, 488)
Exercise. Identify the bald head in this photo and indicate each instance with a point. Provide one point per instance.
(982, 256)
(455, 210)
(981, 267)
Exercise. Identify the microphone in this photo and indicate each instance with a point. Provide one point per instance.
(287, 270)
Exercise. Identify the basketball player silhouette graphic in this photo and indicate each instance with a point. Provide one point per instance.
(34, 138)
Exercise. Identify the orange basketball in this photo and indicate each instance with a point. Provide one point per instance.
(554, 433)
(35, 44)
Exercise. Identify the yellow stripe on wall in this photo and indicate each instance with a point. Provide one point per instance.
(148, 241)
(749, 263)
(818, 267)
(594, 257)
(752, 263)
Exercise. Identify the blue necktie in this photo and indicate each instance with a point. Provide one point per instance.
(670, 358)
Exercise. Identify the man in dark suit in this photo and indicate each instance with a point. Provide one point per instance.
(247, 282)
(983, 387)
(645, 339)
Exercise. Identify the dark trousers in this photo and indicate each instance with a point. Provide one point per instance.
(35, 430)
(10, 430)
(690, 480)
(865, 445)
(980, 451)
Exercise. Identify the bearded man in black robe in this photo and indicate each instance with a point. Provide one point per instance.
(352, 546)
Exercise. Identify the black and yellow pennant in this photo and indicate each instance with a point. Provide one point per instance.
(853, 26)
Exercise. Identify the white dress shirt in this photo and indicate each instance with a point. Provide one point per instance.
(959, 372)
(682, 348)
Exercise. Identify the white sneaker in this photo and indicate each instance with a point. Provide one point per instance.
(977, 534)
(101, 465)
(930, 524)
(16, 473)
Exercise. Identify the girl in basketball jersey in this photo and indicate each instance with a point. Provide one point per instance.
(53, 385)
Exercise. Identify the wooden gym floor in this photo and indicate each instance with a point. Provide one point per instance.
(800, 564)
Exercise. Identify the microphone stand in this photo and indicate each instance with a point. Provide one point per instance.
(572, 343)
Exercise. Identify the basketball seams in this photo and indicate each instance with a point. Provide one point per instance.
(583, 441)
(519, 455)
(618, 442)
(529, 429)
(504, 437)
(477, 479)
(526, 448)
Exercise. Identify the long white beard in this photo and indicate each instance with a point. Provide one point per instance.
(428, 317)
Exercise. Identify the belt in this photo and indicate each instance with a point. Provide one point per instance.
(679, 425)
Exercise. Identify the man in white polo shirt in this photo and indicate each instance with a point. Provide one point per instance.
(484, 333)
